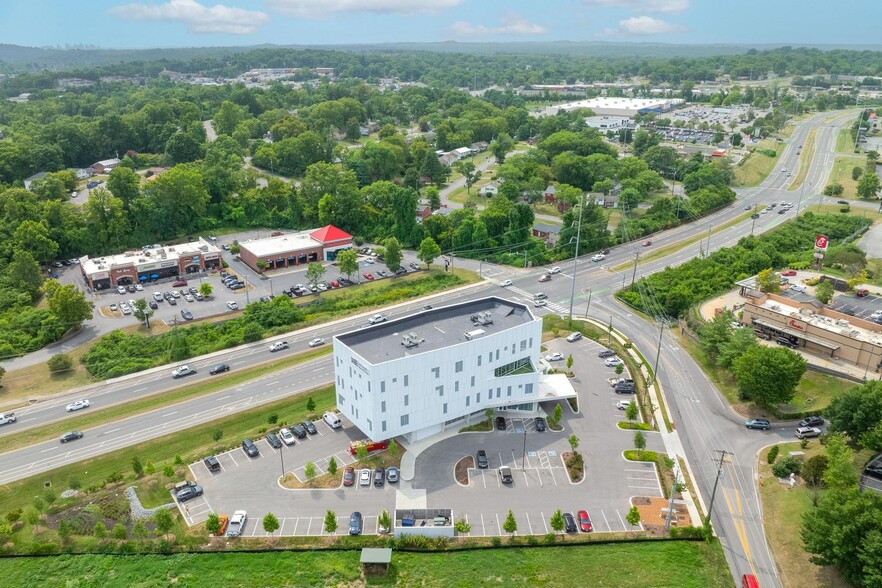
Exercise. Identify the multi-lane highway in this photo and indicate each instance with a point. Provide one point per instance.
(704, 421)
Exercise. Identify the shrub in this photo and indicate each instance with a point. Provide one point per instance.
(113, 478)
(532, 540)
(786, 466)
(461, 526)
(60, 363)
(168, 471)
(13, 515)
(496, 541)
(772, 455)
(178, 460)
(689, 532)
(549, 538)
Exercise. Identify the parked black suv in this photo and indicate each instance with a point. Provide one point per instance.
(212, 463)
(500, 423)
(250, 448)
(569, 523)
(379, 476)
(274, 440)
(310, 428)
(811, 421)
(298, 431)
(785, 342)
(625, 388)
(540, 424)
(483, 462)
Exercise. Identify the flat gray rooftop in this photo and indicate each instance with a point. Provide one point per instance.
(434, 329)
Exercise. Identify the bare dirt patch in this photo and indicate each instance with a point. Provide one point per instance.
(653, 515)
(461, 471)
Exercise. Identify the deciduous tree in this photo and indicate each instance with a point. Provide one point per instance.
(768, 375)
(270, 523)
(330, 522)
(510, 525)
(428, 251)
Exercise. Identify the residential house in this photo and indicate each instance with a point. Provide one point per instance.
(423, 212)
(105, 167)
(448, 159)
(84, 173)
(36, 176)
(548, 233)
(480, 147)
(550, 194)
(489, 190)
(463, 152)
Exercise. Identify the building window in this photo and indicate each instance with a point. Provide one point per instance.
(479, 361)
(473, 381)
(499, 393)
(394, 380)
(497, 354)
(456, 386)
(478, 398)
(459, 366)
(531, 342)
(384, 426)
(405, 379)
(468, 400)
(370, 425)
(383, 386)
(509, 391)
(436, 372)
(523, 345)
(406, 400)
(439, 390)
(340, 399)
(369, 386)
(383, 406)
(528, 389)
(405, 420)
(490, 357)
(445, 408)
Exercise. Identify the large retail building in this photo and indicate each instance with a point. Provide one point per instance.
(150, 264)
(293, 249)
(439, 368)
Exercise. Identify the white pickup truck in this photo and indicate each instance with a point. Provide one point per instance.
(7, 418)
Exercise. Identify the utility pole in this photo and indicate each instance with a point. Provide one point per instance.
(634, 274)
(576, 256)
(609, 333)
(590, 291)
(657, 354)
(723, 453)
(282, 459)
(671, 501)
(524, 461)
(708, 251)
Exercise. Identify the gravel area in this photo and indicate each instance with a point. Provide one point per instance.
(138, 511)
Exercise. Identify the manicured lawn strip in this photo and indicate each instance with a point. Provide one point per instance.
(674, 247)
(757, 166)
(805, 160)
(782, 518)
(191, 444)
(678, 564)
(841, 173)
(92, 418)
(844, 142)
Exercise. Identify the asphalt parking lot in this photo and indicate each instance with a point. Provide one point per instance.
(540, 484)
(860, 307)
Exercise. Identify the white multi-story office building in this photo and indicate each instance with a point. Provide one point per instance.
(419, 374)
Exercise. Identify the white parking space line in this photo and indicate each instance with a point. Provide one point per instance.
(282, 527)
(498, 526)
(543, 521)
(608, 527)
(529, 524)
(234, 459)
(483, 529)
(621, 520)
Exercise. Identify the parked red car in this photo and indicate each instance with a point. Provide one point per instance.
(584, 521)
(349, 476)
(368, 276)
(335, 284)
(179, 283)
(788, 273)
(862, 292)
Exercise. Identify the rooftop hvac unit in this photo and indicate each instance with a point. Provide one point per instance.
(474, 334)
(775, 307)
(842, 322)
(854, 334)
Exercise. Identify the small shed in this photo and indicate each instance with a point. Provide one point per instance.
(375, 561)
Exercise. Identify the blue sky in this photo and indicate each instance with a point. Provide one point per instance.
(188, 23)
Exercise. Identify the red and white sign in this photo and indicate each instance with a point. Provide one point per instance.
(821, 242)
(796, 325)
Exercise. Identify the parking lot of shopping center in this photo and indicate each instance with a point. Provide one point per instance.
(540, 482)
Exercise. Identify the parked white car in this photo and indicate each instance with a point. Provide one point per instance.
(287, 436)
(237, 523)
(554, 357)
(232, 306)
(598, 257)
(612, 362)
(623, 404)
(79, 404)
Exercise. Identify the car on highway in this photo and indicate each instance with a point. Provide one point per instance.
(783, 211)
(348, 476)
(545, 278)
(298, 431)
(754, 216)
(392, 474)
(505, 283)
(843, 202)
(8, 418)
(316, 342)
(414, 265)
(807, 432)
(598, 257)
(237, 523)
(613, 362)
(500, 423)
(250, 448)
(355, 523)
(364, 478)
(219, 368)
(71, 436)
(569, 523)
(481, 460)
(278, 346)
(556, 356)
(287, 436)
(606, 353)
(573, 337)
(188, 316)
(274, 440)
(78, 405)
(540, 302)
(376, 319)
(647, 243)
(757, 424)
(309, 426)
(184, 370)
(212, 463)
(584, 521)
(554, 270)
(811, 421)
(539, 423)
(604, 251)
(189, 493)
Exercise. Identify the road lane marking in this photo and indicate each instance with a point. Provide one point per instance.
(109, 432)
(45, 450)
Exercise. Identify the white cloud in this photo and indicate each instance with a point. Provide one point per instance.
(198, 18)
(323, 8)
(512, 24)
(646, 25)
(668, 6)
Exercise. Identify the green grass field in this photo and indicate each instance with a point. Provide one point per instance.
(658, 564)
(805, 159)
(757, 166)
(841, 173)
(844, 142)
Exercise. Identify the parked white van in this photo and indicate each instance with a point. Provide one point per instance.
(333, 420)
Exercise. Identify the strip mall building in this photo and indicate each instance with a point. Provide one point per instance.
(150, 264)
(293, 249)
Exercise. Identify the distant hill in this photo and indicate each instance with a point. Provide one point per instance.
(19, 58)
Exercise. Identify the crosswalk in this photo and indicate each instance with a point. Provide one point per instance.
(528, 299)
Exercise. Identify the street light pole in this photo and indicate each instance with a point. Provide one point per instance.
(707, 251)
(590, 291)
(634, 274)
(657, 354)
(576, 256)
(524, 461)
(282, 459)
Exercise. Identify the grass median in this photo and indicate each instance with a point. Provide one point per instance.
(805, 160)
(93, 418)
(757, 166)
(190, 445)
